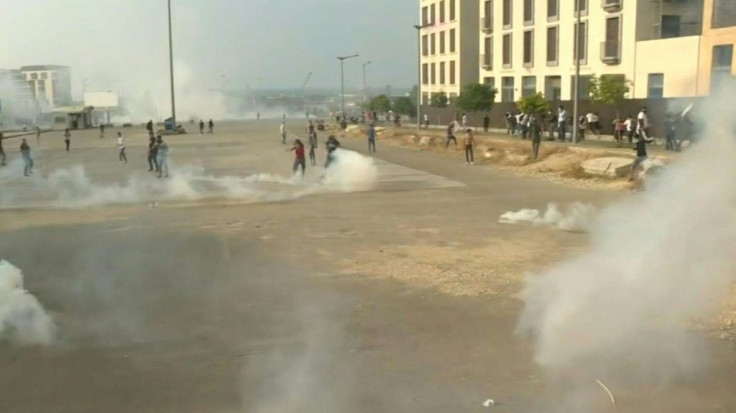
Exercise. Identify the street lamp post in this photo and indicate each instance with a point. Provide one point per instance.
(365, 82)
(171, 69)
(419, 71)
(342, 60)
(576, 98)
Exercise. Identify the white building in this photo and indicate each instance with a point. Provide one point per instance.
(527, 46)
(50, 85)
(449, 48)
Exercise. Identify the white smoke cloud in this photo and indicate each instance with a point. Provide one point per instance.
(576, 218)
(23, 320)
(658, 260)
(72, 187)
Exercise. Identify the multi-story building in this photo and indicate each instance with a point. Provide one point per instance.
(16, 104)
(529, 46)
(50, 85)
(716, 51)
(449, 47)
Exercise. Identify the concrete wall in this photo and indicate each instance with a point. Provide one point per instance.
(676, 58)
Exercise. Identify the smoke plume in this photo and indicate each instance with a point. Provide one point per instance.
(23, 320)
(658, 260)
(576, 218)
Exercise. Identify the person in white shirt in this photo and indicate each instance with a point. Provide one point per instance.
(283, 133)
(121, 146)
(562, 124)
(465, 121)
(629, 124)
(642, 124)
(426, 121)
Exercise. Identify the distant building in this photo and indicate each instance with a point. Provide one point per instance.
(717, 66)
(50, 85)
(17, 106)
(449, 48)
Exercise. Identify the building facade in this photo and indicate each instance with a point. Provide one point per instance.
(530, 46)
(50, 85)
(716, 62)
(449, 47)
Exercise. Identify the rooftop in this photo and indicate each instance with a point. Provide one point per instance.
(42, 67)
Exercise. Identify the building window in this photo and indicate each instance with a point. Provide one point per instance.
(452, 72)
(656, 85)
(670, 26)
(433, 71)
(425, 45)
(613, 38)
(507, 14)
(553, 88)
(584, 82)
(34, 76)
(582, 42)
(528, 11)
(528, 85)
(432, 14)
(507, 50)
(452, 41)
(442, 42)
(442, 11)
(44, 75)
(488, 53)
(724, 14)
(442, 73)
(553, 45)
(488, 16)
(721, 66)
(507, 89)
(529, 48)
(489, 81)
(425, 74)
(433, 44)
(581, 5)
(452, 10)
(553, 7)
(425, 15)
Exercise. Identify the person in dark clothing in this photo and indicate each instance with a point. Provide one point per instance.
(67, 139)
(201, 127)
(451, 134)
(536, 134)
(149, 127)
(102, 131)
(299, 159)
(469, 143)
(2, 151)
(670, 127)
(25, 152)
(641, 154)
(152, 154)
(331, 145)
(211, 126)
(371, 138)
(486, 123)
(312, 147)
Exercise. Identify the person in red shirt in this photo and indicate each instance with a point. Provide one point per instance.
(299, 158)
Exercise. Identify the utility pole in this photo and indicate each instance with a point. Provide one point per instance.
(419, 71)
(342, 60)
(365, 82)
(576, 98)
(171, 69)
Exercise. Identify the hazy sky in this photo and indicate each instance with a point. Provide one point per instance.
(122, 44)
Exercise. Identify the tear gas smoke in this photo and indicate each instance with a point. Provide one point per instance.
(576, 219)
(73, 188)
(23, 321)
(658, 260)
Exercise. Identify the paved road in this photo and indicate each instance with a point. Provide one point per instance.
(225, 304)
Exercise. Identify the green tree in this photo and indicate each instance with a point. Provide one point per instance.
(476, 97)
(439, 100)
(536, 104)
(380, 103)
(404, 106)
(608, 90)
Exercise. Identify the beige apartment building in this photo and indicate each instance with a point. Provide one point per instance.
(528, 46)
(50, 85)
(449, 47)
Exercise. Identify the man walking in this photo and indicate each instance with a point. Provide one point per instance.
(121, 146)
(25, 152)
(641, 153)
(671, 130)
(152, 154)
(38, 136)
(67, 139)
(536, 135)
(162, 157)
(312, 147)
(211, 126)
(469, 142)
(201, 127)
(371, 138)
(426, 121)
(486, 122)
(642, 124)
(562, 124)
(102, 130)
(451, 134)
(283, 132)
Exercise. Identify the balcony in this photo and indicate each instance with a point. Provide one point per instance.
(611, 53)
(486, 25)
(612, 6)
(486, 61)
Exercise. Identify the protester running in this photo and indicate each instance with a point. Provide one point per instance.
(299, 159)
(152, 154)
(25, 152)
(121, 146)
(331, 145)
(641, 153)
(451, 134)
